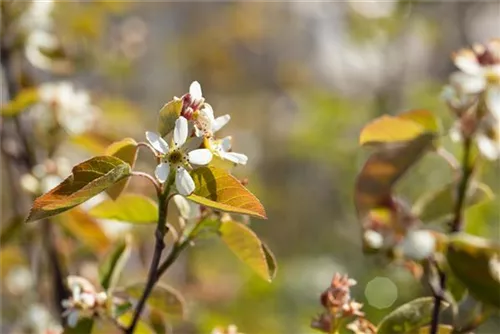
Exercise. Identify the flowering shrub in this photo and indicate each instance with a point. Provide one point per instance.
(459, 269)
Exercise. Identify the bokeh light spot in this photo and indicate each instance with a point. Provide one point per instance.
(381, 292)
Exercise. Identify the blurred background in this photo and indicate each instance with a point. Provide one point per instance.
(300, 80)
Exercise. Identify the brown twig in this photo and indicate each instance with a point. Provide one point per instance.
(456, 225)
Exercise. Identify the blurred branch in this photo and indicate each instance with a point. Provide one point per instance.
(29, 161)
(456, 225)
(161, 230)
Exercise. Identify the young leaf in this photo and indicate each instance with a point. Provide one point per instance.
(142, 328)
(248, 248)
(24, 99)
(424, 118)
(83, 326)
(389, 129)
(132, 208)
(113, 264)
(168, 115)
(442, 329)
(85, 229)
(439, 204)
(476, 263)
(87, 180)
(125, 150)
(157, 322)
(219, 190)
(409, 317)
(384, 167)
(163, 298)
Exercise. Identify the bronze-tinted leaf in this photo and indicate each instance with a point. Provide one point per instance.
(85, 229)
(248, 248)
(219, 190)
(476, 263)
(87, 180)
(384, 167)
(125, 150)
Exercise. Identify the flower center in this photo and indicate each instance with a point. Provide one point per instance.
(175, 157)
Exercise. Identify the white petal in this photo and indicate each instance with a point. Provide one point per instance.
(468, 84)
(493, 101)
(157, 142)
(162, 171)
(200, 156)
(208, 112)
(73, 318)
(195, 90)
(489, 148)
(237, 158)
(184, 182)
(467, 63)
(180, 131)
(419, 245)
(220, 122)
(225, 143)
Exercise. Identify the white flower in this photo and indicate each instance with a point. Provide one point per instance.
(488, 137)
(176, 157)
(418, 245)
(84, 300)
(480, 67)
(222, 147)
(73, 109)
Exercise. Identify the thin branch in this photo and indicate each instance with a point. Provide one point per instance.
(161, 230)
(147, 146)
(456, 225)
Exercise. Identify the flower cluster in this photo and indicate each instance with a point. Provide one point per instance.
(61, 105)
(474, 96)
(193, 142)
(338, 305)
(84, 301)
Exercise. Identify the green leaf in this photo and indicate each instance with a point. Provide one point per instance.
(424, 118)
(442, 329)
(132, 208)
(440, 204)
(168, 115)
(409, 317)
(84, 229)
(126, 150)
(157, 322)
(383, 169)
(163, 298)
(141, 328)
(87, 180)
(248, 248)
(476, 263)
(114, 262)
(219, 190)
(24, 99)
(83, 326)
(388, 129)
